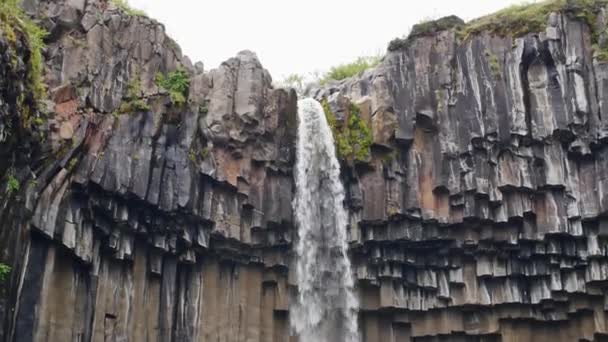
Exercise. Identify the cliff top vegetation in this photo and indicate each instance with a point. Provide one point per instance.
(515, 20)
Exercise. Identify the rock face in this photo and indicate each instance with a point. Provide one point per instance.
(167, 224)
(480, 214)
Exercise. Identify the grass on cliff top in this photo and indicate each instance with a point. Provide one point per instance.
(343, 71)
(518, 20)
(515, 20)
(13, 22)
(425, 28)
(124, 6)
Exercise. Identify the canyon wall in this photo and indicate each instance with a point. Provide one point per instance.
(478, 215)
(169, 224)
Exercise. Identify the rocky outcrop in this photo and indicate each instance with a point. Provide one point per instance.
(166, 224)
(478, 215)
(481, 214)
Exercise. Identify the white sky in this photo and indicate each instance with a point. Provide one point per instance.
(298, 36)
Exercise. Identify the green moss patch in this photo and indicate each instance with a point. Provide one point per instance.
(353, 138)
(12, 185)
(133, 101)
(5, 271)
(15, 22)
(177, 83)
(198, 154)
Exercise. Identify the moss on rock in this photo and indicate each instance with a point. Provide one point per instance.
(133, 101)
(494, 65)
(14, 22)
(353, 138)
(177, 83)
(514, 21)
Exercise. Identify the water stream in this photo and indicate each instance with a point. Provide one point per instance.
(326, 307)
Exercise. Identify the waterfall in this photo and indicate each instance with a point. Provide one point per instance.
(326, 306)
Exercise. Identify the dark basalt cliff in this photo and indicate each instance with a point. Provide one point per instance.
(479, 215)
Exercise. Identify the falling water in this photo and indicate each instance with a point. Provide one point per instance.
(326, 306)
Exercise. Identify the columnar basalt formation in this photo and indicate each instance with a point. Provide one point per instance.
(481, 212)
(479, 215)
(166, 224)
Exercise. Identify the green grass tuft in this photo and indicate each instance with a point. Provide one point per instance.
(519, 20)
(347, 70)
(514, 21)
(177, 83)
(12, 185)
(124, 6)
(5, 271)
(430, 27)
(426, 28)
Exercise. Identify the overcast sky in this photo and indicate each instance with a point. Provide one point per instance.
(298, 36)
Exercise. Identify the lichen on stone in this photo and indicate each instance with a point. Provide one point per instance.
(5, 271)
(343, 71)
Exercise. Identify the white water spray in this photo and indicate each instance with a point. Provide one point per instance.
(326, 306)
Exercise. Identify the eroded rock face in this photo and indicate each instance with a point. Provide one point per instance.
(167, 224)
(480, 214)
(98, 49)
(152, 231)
